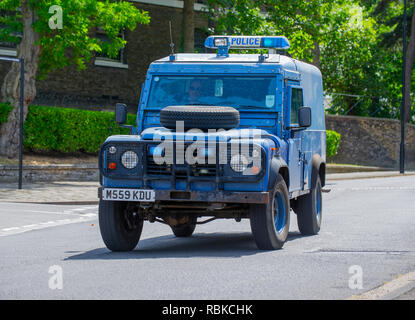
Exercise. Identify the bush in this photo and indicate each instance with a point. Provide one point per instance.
(69, 130)
(72, 130)
(5, 109)
(66, 130)
(332, 142)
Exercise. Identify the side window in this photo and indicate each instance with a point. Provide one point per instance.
(296, 103)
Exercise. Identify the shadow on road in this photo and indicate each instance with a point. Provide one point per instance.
(224, 245)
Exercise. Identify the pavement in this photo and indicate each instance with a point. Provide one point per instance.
(57, 192)
(86, 192)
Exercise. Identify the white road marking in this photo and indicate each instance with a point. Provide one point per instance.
(86, 208)
(82, 217)
(372, 188)
(10, 229)
(75, 211)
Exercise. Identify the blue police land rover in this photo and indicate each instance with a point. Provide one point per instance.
(219, 135)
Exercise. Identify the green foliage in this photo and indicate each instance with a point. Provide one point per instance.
(66, 130)
(75, 43)
(332, 142)
(72, 130)
(5, 109)
(69, 130)
(10, 24)
(355, 43)
(302, 22)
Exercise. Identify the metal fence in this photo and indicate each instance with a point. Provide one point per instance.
(366, 106)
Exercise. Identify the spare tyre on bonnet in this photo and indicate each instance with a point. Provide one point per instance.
(200, 117)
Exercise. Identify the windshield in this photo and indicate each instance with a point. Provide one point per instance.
(233, 91)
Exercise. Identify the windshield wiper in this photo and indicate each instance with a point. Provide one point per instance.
(199, 104)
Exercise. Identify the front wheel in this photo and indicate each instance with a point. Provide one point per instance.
(270, 222)
(120, 226)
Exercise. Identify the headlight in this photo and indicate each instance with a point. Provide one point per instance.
(129, 159)
(239, 163)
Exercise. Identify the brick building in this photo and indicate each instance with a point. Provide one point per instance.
(107, 81)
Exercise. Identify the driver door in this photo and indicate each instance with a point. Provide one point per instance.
(294, 100)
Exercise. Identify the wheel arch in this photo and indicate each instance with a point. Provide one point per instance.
(278, 166)
(318, 169)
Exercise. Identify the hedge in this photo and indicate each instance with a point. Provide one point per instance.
(332, 142)
(5, 109)
(72, 130)
(67, 130)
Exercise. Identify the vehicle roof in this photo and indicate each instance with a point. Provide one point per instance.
(272, 60)
(232, 58)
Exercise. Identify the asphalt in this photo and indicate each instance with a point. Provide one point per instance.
(368, 225)
(69, 194)
(86, 192)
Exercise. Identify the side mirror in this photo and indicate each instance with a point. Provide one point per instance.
(120, 113)
(304, 117)
(121, 116)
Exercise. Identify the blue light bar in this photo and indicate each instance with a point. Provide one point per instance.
(246, 42)
(275, 42)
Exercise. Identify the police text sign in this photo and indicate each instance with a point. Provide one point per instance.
(245, 42)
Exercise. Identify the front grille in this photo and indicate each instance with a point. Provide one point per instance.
(203, 170)
(181, 171)
(147, 169)
(157, 169)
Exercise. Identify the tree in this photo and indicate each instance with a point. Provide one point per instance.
(338, 36)
(302, 22)
(46, 46)
(188, 26)
(390, 14)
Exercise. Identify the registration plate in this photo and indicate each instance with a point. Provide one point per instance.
(128, 194)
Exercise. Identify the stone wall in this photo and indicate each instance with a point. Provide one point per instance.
(371, 141)
(52, 172)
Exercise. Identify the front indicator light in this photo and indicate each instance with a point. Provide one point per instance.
(255, 170)
(112, 166)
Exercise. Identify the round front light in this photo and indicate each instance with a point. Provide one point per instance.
(129, 159)
(112, 149)
(239, 163)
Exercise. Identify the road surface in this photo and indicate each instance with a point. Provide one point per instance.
(367, 239)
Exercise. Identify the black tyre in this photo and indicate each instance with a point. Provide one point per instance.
(270, 222)
(120, 228)
(200, 117)
(309, 210)
(184, 230)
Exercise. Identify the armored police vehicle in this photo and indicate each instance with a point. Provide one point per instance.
(220, 135)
